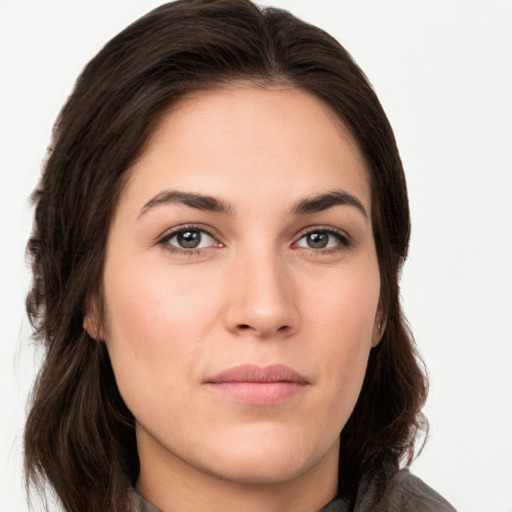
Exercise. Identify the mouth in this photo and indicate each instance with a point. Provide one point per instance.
(255, 385)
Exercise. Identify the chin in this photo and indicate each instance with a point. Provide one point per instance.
(260, 469)
(267, 458)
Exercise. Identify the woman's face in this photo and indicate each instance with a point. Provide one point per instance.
(241, 287)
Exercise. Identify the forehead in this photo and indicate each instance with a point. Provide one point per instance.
(250, 141)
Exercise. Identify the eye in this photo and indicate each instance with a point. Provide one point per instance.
(323, 239)
(189, 239)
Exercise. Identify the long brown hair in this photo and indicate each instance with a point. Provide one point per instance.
(79, 435)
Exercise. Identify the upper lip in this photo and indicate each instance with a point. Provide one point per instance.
(258, 374)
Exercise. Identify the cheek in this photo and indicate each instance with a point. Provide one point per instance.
(149, 304)
(345, 304)
(342, 320)
(153, 332)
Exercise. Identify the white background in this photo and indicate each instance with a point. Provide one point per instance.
(443, 71)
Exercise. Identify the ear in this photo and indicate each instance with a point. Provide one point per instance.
(93, 321)
(379, 326)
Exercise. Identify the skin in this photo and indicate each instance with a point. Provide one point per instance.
(254, 291)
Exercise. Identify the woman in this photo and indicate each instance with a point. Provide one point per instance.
(218, 236)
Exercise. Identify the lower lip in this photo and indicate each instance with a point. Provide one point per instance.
(258, 393)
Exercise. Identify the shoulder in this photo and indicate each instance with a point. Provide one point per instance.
(403, 492)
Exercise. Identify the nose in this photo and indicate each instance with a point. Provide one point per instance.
(262, 298)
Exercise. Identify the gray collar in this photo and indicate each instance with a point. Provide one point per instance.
(141, 505)
(396, 490)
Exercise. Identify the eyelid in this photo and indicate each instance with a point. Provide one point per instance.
(172, 232)
(344, 238)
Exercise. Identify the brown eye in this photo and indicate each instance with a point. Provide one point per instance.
(317, 240)
(189, 238)
(323, 239)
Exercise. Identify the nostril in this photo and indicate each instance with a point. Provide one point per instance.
(246, 326)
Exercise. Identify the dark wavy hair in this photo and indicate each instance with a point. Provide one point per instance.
(80, 436)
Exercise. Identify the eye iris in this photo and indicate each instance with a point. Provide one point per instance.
(189, 239)
(317, 240)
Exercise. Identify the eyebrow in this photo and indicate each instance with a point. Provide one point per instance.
(199, 201)
(321, 202)
(313, 204)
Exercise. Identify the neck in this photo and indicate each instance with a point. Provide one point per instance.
(172, 484)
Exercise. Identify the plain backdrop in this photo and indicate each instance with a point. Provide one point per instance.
(443, 72)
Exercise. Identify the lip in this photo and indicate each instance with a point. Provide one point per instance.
(257, 385)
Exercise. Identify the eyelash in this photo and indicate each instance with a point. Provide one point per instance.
(164, 240)
(345, 242)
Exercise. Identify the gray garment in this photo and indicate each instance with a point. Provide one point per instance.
(403, 493)
(141, 505)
